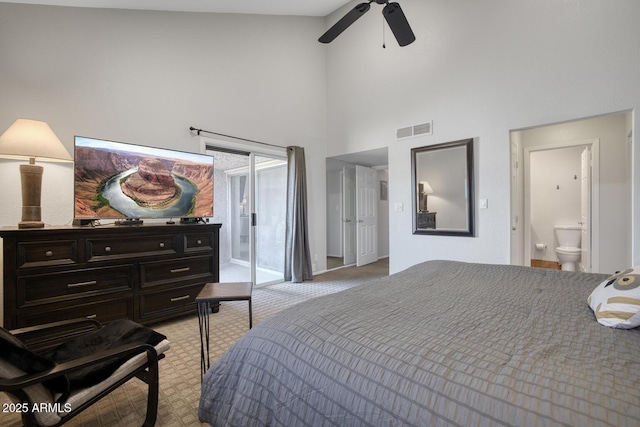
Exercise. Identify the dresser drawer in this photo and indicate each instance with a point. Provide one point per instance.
(198, 242)
(101, 249)
(157, 273)
(169, 302)
(65, 285)
(46, 253)
(101, 310)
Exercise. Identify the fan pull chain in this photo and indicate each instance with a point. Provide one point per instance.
(384, 43)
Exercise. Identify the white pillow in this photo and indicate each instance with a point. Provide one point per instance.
(616, 301)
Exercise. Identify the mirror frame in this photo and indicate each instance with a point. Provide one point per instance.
(470, 231)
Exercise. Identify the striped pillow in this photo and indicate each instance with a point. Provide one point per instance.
(616, 301)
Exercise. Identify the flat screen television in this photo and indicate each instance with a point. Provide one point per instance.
(114, 180)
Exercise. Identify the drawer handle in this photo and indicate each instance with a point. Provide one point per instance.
(162, 244)
(182, 298)
(48, 253)
(180, 270)
(107, 249)
(199, 241)
(75, 285)
(93, 316)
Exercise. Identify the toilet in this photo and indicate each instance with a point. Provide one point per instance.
(568, 250)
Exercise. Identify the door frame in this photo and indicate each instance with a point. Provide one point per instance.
(586, 181)
(594, 143)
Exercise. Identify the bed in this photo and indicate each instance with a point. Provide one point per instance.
(441, 343)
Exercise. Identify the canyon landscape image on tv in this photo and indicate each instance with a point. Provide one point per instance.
(118, 180)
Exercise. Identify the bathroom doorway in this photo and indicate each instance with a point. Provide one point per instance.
(546, 180)
(562, 187)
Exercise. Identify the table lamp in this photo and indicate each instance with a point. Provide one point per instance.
(28, 139)
(424, 190)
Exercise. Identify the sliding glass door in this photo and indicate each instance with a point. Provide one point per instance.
(239, 218)
(270, 208)
(249, 192)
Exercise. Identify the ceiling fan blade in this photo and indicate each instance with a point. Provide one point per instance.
(344, 23)
(398, 23)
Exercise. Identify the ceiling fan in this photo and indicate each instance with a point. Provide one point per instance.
(392, 13)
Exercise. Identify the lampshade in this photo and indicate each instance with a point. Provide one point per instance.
(31, 138)
(426, 188)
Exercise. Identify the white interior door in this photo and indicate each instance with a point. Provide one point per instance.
(585, 210)
(367, 219)
(349, 215)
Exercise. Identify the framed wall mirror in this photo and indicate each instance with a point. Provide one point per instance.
(443, 189)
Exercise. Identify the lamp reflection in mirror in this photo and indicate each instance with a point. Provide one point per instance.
(423, 191)
(31, 139)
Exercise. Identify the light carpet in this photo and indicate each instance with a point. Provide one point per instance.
(180, 369)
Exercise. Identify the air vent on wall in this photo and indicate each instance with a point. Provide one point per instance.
(415, 130)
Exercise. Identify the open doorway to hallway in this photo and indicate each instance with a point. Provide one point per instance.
(357, 208)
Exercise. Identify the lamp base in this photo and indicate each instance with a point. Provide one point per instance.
(30, 224)
(31, 177)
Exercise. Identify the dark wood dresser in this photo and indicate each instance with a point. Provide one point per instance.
(146, 273)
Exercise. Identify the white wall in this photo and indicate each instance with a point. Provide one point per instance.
(146, 77)
(478, 69)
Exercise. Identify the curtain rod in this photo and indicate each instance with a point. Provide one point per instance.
(199, 131)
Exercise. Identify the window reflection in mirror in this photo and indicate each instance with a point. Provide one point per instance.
(443, 189)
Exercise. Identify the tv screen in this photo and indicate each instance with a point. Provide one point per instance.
(117, 180)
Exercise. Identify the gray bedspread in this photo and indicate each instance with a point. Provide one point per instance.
(442, 343)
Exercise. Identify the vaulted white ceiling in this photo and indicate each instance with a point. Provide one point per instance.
(260, 7)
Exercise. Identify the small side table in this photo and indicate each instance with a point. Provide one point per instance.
(427, 219)
(214, 293)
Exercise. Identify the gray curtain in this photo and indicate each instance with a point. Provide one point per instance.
(297, 259)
